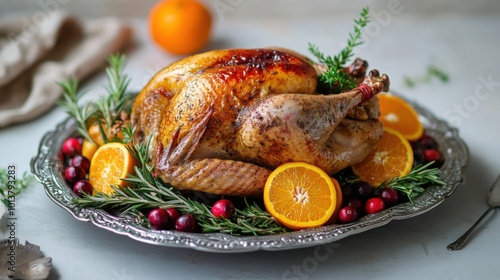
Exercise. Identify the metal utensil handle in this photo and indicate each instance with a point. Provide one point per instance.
(460, 242)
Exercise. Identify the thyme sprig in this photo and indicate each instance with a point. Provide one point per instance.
(150, 192)
(413, 184)
(335, 77)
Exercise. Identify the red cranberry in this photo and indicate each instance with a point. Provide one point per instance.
(363, 190)
(348, 214)
(428, 142)
(356, 203)
(374, 205)
(158, 218)
(73, 174)
(80, 161)
(173, 215)
(186, 223)
(432, 155)
(223, 208)
(71, 147)
(83, 186)
(389, 196)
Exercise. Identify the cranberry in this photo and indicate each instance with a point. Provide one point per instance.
(432, 155)
(417, 146)
(389, 196)
(71, 147)
(223, 208)
(428, 142)
(363, 190)
(374, 205)
(73, 174)
(348, 214)
(418, 157)
(356, 203)
(80, 161)
(347, 192)
(173, 215)
(83, 186)
(186, 223)
(158, 218)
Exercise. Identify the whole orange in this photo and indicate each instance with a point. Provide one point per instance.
(180, 26)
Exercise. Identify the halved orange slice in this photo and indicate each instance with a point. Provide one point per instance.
(397, 114)
(300, 195)
(393, 157)
(110, 164)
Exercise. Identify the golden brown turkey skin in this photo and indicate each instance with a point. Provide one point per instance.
(222, 120)
(181, 94)
(308, 128)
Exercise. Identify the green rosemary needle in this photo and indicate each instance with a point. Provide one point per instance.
(413, 184)
(107, 111)
(335, 77)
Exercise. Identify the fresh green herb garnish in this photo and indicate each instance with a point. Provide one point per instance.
(110, 109)
(432, 72)
(70, 101)
(6, 189)
(150, 192)
(335, 77)
(412, 185)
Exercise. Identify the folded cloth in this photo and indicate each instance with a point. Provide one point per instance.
(36, 56)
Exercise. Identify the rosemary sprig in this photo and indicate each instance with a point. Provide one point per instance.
(111, 106)
(335, 76)
(413, 184)
(107, 112)
(20, 184)
(150, 192)
(70, 101)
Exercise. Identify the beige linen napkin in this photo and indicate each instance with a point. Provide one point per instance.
(34, 57)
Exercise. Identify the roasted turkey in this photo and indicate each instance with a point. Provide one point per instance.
(221, 121)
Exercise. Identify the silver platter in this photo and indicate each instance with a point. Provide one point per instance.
(48, 171)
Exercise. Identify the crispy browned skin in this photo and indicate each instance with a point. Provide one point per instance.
(226, 79)
(221, 120)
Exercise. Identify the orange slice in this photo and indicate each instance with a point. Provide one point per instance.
(397, 114)
(393, 157)
(110, 163)
(300, 195)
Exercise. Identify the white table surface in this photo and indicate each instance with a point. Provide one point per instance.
(465, 46)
